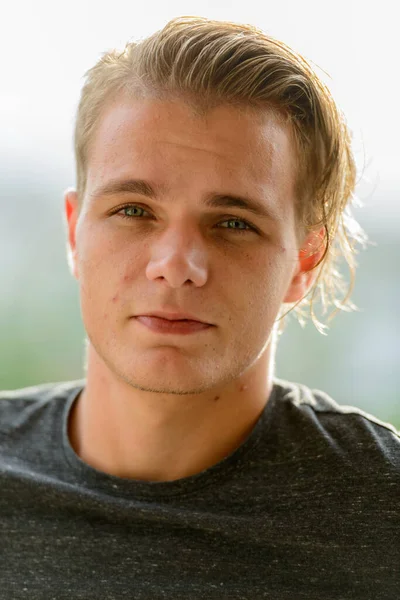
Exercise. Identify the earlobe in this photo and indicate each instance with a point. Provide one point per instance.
(71, 217)
(310, 254)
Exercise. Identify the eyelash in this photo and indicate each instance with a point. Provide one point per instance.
(236, 230)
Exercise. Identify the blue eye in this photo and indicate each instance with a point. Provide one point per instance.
(246, 227)
(130, 206)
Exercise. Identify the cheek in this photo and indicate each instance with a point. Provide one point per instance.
(104, 256)
(107, 285)
(99, 275)
(264, 284)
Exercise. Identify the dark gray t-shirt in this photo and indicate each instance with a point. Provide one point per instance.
(306, 508)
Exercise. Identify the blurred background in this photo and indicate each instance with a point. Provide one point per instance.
(47, 46)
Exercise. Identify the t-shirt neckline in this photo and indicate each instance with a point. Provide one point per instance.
(95, 480)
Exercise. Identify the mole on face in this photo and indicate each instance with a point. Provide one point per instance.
(216, 398)
(114, 298)
(243, 387)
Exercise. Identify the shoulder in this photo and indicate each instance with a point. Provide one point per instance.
(354, 434)
(18, 406)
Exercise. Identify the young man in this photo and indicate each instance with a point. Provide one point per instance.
(213, 175)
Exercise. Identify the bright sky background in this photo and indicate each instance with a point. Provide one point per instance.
(46, 46)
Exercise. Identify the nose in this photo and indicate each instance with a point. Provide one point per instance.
(178, 256)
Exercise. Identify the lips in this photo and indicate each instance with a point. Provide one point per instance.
(174, 316)
(172, 326)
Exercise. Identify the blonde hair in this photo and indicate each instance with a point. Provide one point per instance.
(207, 63)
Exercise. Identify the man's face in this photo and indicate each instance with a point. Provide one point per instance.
(172, 252)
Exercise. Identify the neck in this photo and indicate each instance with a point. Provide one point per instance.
(127, 432)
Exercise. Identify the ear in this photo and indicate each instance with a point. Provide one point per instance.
(71, 216)
(310, 253)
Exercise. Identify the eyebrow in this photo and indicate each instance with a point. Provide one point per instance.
(212, 200)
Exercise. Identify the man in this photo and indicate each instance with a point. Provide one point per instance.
(213, 175)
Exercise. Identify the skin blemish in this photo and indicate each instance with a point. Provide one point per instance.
(114, 298)
(216, 398)
(243, 387)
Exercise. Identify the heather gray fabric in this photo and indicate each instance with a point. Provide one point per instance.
(306, 508)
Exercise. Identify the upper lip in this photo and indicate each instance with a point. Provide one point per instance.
(172, 316)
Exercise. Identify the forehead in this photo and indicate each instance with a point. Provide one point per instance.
(169, 136)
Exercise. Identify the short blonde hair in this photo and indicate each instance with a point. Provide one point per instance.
(207, 63)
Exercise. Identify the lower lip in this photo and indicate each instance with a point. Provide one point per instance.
(178, 327)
